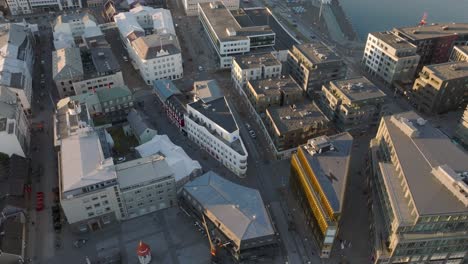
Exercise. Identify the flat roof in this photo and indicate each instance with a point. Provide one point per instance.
(217, 111)
(207, 90)
(331, 167)
(317, 52)
(274, 86)
(357, 89)
(393, 40)
(434, 30)
(287, 118)
(253, 61)
(240, 209)
(104, 60)
(418, 156)
(142, 170)
(449, 70)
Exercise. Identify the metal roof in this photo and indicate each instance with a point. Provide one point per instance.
(217, 111)
(238, 208)
(142, 170)
(66, 64)
(164, 89)
(138, 123)
(207, 90)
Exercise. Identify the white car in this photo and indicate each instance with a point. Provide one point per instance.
(125, 58)
(200, 68)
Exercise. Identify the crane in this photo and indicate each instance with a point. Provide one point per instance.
(212, 246)
(423, 19)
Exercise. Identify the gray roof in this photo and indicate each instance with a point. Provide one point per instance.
(207, 90)
(148, 47)
(142, 170)
(12, 34)
(138, 123)
(66, 64)
(104, 60)
(316, 52)
(393, 40)
(217, 111)
(7, 110)
(164, 89)
(449, 70)
(66, 18)
(434, 30)
(275, 85)
(357, 89)
(417, 156)
(331, 167)
(238, 208)
(253, 61)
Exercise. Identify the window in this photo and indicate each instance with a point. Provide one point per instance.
(97, 205)
(90, 214)
(94, 198)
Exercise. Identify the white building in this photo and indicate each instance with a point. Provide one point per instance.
(16, 61)
(191, 6)
(69, 29)
(213, 127)
(390, 57)
(149, 36)
(254, 67)
(19, 7)
(227, 36)
(14, 129)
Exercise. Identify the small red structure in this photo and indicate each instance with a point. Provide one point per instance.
(39, 201)
(144, 253)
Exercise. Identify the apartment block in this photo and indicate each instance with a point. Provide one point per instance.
(441, 87)
(292, 125)
(19, 7)
(279, 91)
(23, 7)
(212, 126)
(459, 53)
(319, 171)
(191, 6)
(170, 97)
(71, 29)
(227, 36)
(419, 187)
(462, 129)
(390, 57)
(314, 64)
(353, 104)
(254, 67)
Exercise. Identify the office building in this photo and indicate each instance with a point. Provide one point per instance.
(419, 186)
(17, 61)
(24, 7)
(19, 7)
(254, 67)
(314, 64)
(227, 36)
(319, 171)
(149, 37)
(390, 57)
(213, 127)
(191, 6)
(353, 104)
(462, 129)
(459, 53)
(235, 215)
(67, 68)
(265, 93)
(441, 87)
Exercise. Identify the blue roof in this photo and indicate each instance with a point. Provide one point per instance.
(165, 89)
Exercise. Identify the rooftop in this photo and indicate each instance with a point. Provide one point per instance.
(104, 60)
(207, 90)
(224, 23)
(71, 117)
(357, 89)
(253, 61)
(138, 123)
(316, 52)
(153, 46)
(275, 85)
(434, 30)
(462, 49)
(217, 111)
(418, 155)
(142, 170)
(238, 208)
(296, 117)
(66, 64)
(112, 93)
(393, 41)
(449, 70)
(330, 166)
(73, 17)
(164, 89)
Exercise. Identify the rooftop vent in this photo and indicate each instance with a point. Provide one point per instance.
(415, 32)
(266, 87)
(405, 126)
(445, 28)
(421, 121)
(287, 117)
(319, 145)
(231, 31)
(213, 5)
(454, 67)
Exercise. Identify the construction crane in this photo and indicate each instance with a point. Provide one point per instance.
(212, 246)
(423, 20)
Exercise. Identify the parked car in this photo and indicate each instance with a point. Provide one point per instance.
(252, 134)
(125, 58)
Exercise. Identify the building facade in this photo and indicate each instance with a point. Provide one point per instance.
(19, 7)
(191, 6)
(353, 104)
(213, 127)
(169, 97)
(254, 67)
(418, 182)
(441, 87)
(314, 64)
(459, 53)
(462, 129)
(390, 57)
(319, 171)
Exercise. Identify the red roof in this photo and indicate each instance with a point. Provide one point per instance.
(143, 249)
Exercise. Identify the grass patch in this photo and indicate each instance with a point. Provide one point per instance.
(122, 142)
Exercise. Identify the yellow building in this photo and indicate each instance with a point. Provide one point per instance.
(319, 171)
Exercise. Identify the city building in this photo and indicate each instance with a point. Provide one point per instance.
(441, 87)
(254, 67)
(17, 61)
(353, 104)
(24, 7)
(390, 57)
(462, 129)
(19, 7)
(319, 171)
(292, 125)
(149, 37)
(206, 90)
(14, 126)
(418, 181)
(459, 53)
(12, 227)
(140, 126)
(264, 93)
(170, 97)
(70, 29)
(227, 36)
(213, 127)
(191, 6)
(314, 64)
(146, 185)
(67, 68)
(235, 215)
(434, 41)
